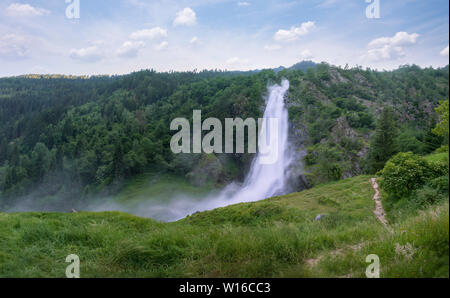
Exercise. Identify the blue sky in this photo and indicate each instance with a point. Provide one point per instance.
(120, 36)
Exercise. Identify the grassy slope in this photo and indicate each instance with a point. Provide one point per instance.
(277, 237)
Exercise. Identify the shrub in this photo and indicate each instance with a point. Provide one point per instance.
(439, 168)
(334, 171)
(426, 196)
(440, 183)
(406, 172)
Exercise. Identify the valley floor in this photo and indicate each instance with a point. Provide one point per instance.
(277, 237)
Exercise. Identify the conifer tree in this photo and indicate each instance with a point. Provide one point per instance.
(382, 146)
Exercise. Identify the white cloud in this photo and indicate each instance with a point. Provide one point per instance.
(385, 53)
(274, 47)
(153, 33)
(25, 10)
(444, 52)
(130, 49)
(390, 48)
(13, 46)
(306, 54)
(89, 54)
(398, 40)
(295, 32)
(185, 17)
(243, 4)
(162, 46)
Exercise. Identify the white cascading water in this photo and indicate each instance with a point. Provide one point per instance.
(268, 180)
(264, 180)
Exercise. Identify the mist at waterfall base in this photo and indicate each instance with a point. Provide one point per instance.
(263, 180)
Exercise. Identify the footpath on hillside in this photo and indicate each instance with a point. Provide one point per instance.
(379, 211)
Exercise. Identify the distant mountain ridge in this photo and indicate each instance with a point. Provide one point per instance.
(303, 66)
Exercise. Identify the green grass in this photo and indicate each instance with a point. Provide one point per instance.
(277, 237)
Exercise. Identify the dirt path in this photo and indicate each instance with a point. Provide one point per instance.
(334, 253)
(379, 211)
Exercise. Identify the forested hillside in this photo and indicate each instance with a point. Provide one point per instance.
(73, 138)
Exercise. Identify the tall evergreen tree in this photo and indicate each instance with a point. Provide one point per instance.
(3, 150)
(383, 145)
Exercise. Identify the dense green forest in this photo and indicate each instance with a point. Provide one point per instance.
(79, 137)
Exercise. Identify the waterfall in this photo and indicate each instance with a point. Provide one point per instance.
(266, 180)
(263, 180)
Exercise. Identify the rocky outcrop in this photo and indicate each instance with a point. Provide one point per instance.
(336, 76)
(342, 129)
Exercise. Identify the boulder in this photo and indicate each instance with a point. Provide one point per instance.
(319, 217)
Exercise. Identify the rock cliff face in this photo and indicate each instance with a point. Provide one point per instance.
(336, 77)
(342, 130)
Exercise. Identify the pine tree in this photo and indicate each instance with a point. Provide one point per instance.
(382, 146)
(3, 150)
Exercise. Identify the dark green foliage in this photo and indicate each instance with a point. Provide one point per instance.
(349, 104)
(360, 120)
(440, 184)
(382, 146)
(295, 112)
(432, 141)
(323, 72)
(325, 163)
(426, 196)
(408, 140)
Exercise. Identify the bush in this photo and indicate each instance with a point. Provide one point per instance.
(406, 172)
(334, 172)
(440, 184)
(426, 196)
